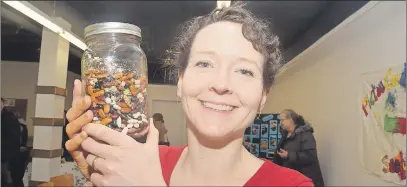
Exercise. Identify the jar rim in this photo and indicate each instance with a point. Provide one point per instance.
(112, 27)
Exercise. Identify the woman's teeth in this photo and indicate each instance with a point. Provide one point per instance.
(218, 107)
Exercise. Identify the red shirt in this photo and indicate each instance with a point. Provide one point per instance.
(269, 174)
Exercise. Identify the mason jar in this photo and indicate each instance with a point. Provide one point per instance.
(114, 73)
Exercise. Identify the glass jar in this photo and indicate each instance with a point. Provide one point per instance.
(115, 76)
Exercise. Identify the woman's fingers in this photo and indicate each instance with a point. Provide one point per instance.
(106, 134)
(76, 125)
(98, 164)
(73, 147)
(140, 134)
(99, 149)
(76, 141)
(97, 179)
(79, 106)
(152, 136)
(79, 103)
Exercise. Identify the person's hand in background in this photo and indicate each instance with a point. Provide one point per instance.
(282, 153)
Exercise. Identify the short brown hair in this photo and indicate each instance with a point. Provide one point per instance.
(158, 117)
(255, 30)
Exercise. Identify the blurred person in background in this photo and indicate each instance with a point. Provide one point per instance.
(10, 147)
(22, 161)
(297, 148)
(158, 120)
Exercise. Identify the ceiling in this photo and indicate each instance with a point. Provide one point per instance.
(297, 23)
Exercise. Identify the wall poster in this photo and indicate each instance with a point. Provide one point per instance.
(383, 134)
(261, 137)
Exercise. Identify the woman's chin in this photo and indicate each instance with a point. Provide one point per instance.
(216, 133)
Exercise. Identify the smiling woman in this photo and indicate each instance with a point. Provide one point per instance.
(226, 61)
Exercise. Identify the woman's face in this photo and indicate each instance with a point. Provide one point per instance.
(287, 123)
(222, 88)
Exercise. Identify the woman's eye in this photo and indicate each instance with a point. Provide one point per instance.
(246, 72)
(203, 64)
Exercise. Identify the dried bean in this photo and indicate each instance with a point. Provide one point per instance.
(106, 121)
(117, 99)
(126, 110)
(106, 108)
(101, 113)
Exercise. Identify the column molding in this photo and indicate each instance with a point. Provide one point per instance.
(51, 90)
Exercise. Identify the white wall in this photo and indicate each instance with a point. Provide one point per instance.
(324, 82)
(19, 80)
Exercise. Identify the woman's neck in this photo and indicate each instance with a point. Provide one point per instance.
(212, 162)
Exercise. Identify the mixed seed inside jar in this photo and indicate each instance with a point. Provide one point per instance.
(118, 100)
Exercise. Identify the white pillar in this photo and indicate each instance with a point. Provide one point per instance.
(49, 107)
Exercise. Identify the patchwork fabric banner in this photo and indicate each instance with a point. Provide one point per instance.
(383, 135)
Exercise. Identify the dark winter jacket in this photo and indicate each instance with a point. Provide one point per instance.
(302, 153)
(10, 135)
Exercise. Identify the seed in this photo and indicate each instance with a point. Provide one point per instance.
(133, 90)
(106, 108)
(106, 121)
(133, 106)
(122, 104)
(136, 125)
(108, 100)
(132, 121)
(99, 93)
(103, 75)
(119, 121)
(101, 113)
(126, 110)
(117, 107)
(89, 89)
(118, 75)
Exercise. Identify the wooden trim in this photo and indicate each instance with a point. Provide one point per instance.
(48, 121)
(35, 183)
(40, 153)
(51, 90)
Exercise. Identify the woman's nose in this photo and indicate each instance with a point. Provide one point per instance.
(220, 84)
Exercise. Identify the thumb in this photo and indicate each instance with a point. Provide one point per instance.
(152, 136)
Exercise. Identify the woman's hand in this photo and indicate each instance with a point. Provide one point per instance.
(122, 161)
(78, 116)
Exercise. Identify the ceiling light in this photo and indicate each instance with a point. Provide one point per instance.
(223, 4)
(23, 8)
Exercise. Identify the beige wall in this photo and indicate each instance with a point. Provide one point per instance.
(324, 82)
(19, 80)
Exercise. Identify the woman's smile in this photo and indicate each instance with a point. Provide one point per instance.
(218, 106)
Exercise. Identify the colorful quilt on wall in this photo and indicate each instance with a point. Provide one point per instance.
(383, 138)
(261, 137)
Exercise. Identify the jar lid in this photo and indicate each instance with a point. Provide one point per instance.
(112, 27)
